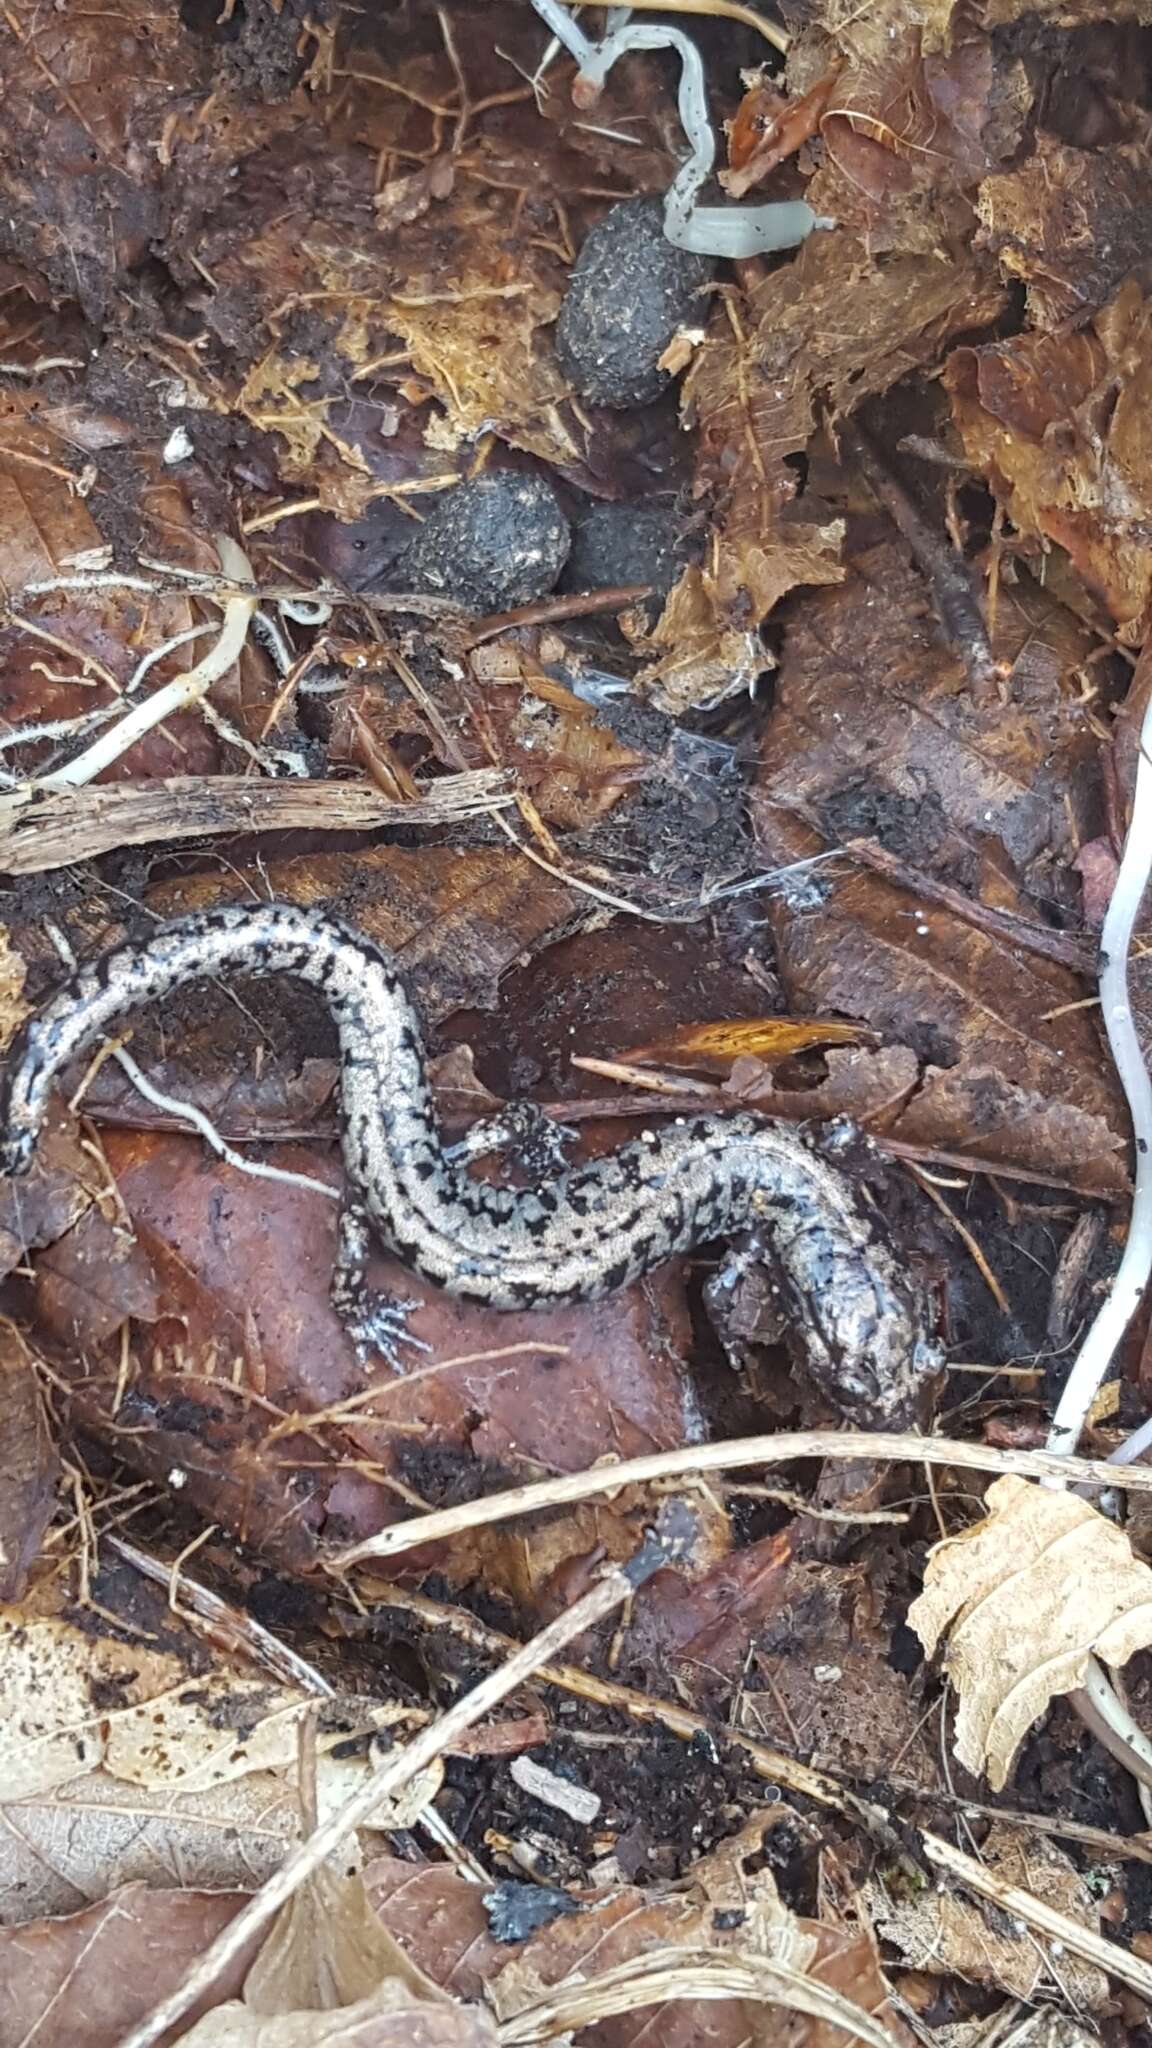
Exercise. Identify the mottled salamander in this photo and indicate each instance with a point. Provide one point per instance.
(596, 1227)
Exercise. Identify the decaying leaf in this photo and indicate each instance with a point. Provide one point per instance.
(28, 1462)
(920, 110)
(1070, 223)
(947, 1934)
(873, 735)
(1025, 1598)
(328, 1947)
(1059, 423)
(94, 1974)
(390, 2017)
(833, 326)
(330, 1973)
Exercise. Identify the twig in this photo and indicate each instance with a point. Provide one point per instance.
(1066, 948)
(774, 1766)
(59, 830)
(241, 1632)
(673, 1541)
(967, 1239)
(946, 571)
(545, 611)
(732, 1456)
(43, 363)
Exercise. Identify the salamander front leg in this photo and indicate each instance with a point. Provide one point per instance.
(743, 1300)
(376, 1321)
(521, 1131)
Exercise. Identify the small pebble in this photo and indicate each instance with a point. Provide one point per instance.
(494, 542)
(517, 1910)
(630, 291)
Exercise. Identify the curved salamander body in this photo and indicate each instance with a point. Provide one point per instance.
(595, 1228)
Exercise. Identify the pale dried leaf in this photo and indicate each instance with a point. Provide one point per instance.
(329, 1948)
(1025, 1598)
(57, 1689)
(72, 1698)
(119, 1764)
(65, 1847)
(390, 2018)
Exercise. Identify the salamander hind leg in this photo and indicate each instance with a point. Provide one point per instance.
(376, 1321)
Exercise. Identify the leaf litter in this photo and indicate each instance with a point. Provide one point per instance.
(803, 787)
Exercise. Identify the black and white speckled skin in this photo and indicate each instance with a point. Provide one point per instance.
(595, 1228)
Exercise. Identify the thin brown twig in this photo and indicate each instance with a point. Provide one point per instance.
(547, 611)
(947, 573)
(775, 1766)
(695, 1459)
(1069, 949)
(969, 1242)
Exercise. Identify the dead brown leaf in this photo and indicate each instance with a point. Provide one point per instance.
(1071, 223)
(832, 327)
(919, 113)
(1024, 1599)
(874, 735)
(1059, 424)
(507, 712)
(328, 1948)
(821, 1971)
(29, 1464)
(727, 1909)
(76, 1696)
(92, 1975)
(331, 1973)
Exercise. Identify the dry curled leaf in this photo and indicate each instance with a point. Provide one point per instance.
(714, 1048)
(1025, 1598)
